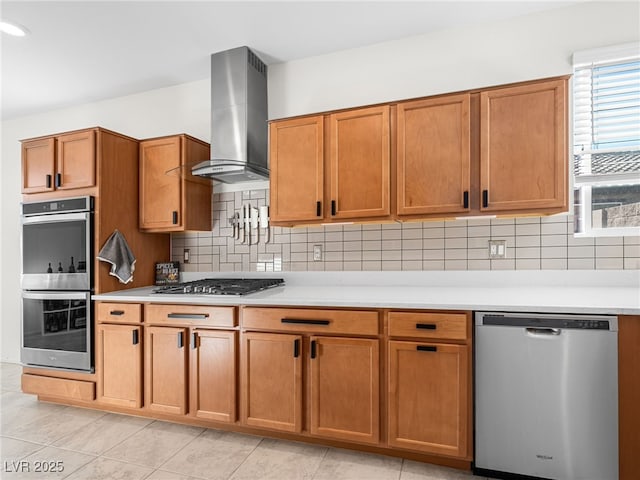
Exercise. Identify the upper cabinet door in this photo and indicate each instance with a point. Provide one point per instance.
(523, 147)
(76, 160)
(433, 155)
(297, 165)
(160, 185)
(38, 165)
(360, 163)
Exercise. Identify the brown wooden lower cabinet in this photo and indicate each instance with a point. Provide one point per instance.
(345, 391)
(428, 397)
(629, 395)
(165, 369)
(272, 381)
(119, 365)
(212, 375)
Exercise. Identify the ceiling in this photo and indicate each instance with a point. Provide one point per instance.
(79, 52)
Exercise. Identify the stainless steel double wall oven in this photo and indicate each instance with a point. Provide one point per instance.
(57, 282)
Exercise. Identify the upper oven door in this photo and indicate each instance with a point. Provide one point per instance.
(56, 251)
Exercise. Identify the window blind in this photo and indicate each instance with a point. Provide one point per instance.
(607, 118)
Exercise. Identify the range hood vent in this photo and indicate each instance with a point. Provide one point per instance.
(238, 118)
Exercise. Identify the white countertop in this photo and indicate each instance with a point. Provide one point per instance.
(586, 292)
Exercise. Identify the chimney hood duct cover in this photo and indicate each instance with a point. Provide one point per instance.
(238, 118)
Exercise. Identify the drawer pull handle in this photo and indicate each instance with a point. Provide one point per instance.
(116, 313)
(426, 326)
(296, 348)
(135, 339)
(426, 348)
(313, 348)
(302, 321)
(180, 340)
(189, 316)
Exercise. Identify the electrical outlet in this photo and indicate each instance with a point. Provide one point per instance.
(497, 248)
(317, 253)
(186, 256)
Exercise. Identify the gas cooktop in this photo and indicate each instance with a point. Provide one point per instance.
(220, 286)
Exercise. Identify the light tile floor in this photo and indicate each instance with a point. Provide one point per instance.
(97, 445)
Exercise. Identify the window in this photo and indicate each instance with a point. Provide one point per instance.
(606, 146)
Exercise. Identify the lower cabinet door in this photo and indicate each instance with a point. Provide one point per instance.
(165, 370)
(213, 375)
(345, 389)
(429, 397)
(272, 381)
(119, 365)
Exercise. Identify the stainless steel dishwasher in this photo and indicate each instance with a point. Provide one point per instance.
(546, 396)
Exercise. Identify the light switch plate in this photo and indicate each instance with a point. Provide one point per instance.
(497, 248)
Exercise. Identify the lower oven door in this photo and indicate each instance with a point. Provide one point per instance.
(57, 329)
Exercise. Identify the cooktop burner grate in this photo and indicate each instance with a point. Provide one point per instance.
(220, 286)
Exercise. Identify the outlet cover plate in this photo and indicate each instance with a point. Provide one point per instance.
(497, 248)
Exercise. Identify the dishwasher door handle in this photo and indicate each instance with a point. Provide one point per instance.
(543, 331)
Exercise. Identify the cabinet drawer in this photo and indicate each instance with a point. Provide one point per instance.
(428, 325)
(359, 322)
(58, 387)
(119, 312)
(192, 315)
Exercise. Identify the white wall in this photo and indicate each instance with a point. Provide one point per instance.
(534, 46)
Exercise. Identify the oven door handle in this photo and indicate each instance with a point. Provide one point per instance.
(57, 295)
(55, 217)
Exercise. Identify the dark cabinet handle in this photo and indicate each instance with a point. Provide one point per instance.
(174, 215)
(48, 181)
(296, 348)
(189, 316)
(426, 348)
(180, 340)
(135, 337)
(194, 340)
(426, 326)
(318, 209)
(465, 199)
(303, 321)
(333, 207)
(58, 179)
(313, 349)
(116, 313)
(485, 198)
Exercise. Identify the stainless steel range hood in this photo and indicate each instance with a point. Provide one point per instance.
(238, 118)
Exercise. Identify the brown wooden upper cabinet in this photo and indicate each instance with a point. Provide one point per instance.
(62, 162)
(433, 155)
(502, 150)
(523, 147)
(171, 198)
(332, 167)
(359, 153)
(297, 169)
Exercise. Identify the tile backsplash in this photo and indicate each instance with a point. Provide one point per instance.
(532, 243)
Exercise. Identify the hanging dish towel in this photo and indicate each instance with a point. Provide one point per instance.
(116, 251)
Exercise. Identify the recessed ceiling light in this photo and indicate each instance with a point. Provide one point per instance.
(13, 29)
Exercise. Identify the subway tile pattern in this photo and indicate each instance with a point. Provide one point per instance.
(533, 243)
